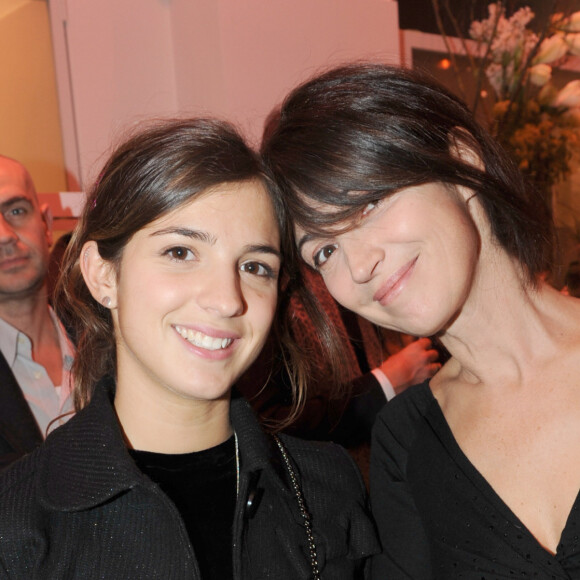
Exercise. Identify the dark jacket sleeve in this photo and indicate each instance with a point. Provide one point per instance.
(19, 432)
(357, 417)
(347, 419)
(337, 501)
(405, 552)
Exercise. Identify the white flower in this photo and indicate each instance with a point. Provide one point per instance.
(522, 17)
(551, 49)
(540, 74)
(476, 31)
(495, 75)
(482, 30)
(569, 96)
(573, 42)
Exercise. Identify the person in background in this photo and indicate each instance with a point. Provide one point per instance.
(35, 352)
(171, 284)
(419, 221)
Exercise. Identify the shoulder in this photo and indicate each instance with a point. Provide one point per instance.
(72, 466)
(402, 415)
(319, 459)
(398, 426)
(336, 497)
(30, 471)
(20, 510)
(398, 443)
(20, 474)
(329, 477)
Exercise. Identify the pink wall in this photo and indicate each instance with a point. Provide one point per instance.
(229, 58)
(260, 49)
(120, 69)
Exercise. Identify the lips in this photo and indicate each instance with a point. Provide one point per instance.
(201, 340)
(395, 283)
(13, 262)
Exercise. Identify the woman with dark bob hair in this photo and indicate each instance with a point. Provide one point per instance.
(170, 285)
(418, 221)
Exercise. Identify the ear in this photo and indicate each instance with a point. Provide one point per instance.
(47, 218)
(459, 145)
(463, 149)
(99, 275)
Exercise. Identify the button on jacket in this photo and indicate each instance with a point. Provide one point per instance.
(78, 507)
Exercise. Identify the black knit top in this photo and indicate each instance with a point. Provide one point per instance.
(202, 485)
(438, 517)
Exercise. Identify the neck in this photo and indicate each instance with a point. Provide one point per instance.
(506, 328)
(31, 316)
(173, 426)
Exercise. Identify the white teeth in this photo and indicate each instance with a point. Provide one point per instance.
(203, 340)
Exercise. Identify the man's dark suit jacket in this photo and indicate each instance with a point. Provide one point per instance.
(19, 433)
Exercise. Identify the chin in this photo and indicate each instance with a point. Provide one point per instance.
(205, 391)
(426, 326)
(416, 325)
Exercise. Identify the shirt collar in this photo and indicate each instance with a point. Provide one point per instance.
(8, 341)
(66, 346)
(9, 336)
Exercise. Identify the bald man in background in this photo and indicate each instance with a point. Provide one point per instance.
(35, 352)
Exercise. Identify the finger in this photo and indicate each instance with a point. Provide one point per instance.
(433, 355)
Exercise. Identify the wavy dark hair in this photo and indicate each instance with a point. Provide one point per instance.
(376, 129)
(152, 173)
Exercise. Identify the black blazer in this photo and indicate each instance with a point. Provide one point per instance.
(78, 507)
(19, 432)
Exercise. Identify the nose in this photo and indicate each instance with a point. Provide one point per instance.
(362, 258)
(7, 233)
(222, 295)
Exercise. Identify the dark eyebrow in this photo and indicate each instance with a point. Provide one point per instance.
(209, 239)
(14, 200)
(264, 249)
(303, 240)
(188, 233)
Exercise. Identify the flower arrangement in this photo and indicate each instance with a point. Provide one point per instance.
(536, 122)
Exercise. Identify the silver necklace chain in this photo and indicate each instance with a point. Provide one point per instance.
(299, 497)
(303, 510)
(237, 464)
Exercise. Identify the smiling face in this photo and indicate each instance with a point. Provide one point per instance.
(195, 295)
(408, 264)
(24, 234)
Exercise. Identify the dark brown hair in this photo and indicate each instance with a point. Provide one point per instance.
(376, 129)
(152, 173)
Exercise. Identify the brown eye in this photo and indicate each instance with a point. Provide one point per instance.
(258, 269)
(324, 254)
(179, 253)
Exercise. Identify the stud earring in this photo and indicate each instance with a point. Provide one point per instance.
(106, 302)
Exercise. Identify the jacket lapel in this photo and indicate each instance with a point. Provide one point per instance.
(86, 462)
(18, 427)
